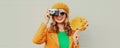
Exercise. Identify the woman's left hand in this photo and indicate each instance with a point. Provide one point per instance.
(76, 36)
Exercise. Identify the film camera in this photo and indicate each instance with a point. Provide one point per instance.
(54, 12)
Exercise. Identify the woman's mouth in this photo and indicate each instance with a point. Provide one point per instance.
(59, 18)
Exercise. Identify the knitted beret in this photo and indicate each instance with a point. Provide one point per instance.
(61, 5)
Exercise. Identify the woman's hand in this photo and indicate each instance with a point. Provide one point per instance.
(47, 16)
(76, 36)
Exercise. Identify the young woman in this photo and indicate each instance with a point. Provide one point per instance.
(59, 34)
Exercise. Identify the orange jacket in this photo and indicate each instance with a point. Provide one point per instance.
(44, 35)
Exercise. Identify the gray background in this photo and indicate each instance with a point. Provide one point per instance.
(19, 20)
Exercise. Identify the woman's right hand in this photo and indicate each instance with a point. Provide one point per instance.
(47, 16)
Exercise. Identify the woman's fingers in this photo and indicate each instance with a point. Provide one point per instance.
(47, 16)
(77, 33)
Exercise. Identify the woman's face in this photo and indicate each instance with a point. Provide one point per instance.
(61, 17)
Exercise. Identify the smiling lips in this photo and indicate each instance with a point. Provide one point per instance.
(59, 18)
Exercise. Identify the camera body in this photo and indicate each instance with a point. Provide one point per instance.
(54, 12)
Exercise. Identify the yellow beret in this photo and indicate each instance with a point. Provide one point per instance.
(61, 5)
